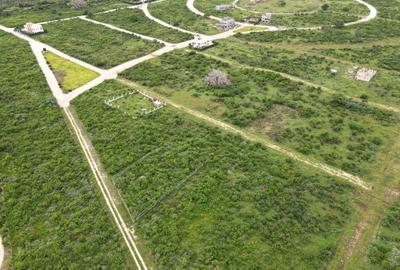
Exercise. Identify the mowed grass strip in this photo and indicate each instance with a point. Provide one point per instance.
(134, 20)
(242, 206)
(95, 44)
(69, 75)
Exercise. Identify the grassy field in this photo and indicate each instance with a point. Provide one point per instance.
(176, 13)
(39, 11)
(383, 88)
(303, 118)
(69, 75)
(95, 44)
(135, 21)
(202, 198)
(282, 6)
(51, 214)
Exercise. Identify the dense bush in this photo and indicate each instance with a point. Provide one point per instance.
(244, 207)
(51, 216)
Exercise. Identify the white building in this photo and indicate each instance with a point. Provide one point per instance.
(227, 24)
(365, 74)
(32, 28)
(266, 18)
(201, 42)
(223, 7)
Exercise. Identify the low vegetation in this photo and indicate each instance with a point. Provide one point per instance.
(95, 44)
(15, 13)
(304, 118)
(202, 198)
(69, 75)
(135, 21)
(51, 214)
(176, 13)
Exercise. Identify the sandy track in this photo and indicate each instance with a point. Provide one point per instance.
(1, 252)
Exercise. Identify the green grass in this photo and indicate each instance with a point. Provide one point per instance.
(250, 28)
(245, 207)
(52, 216)
(176, 13)
(133, 104)
(135, 21)
(277, 5)
(95, 44)
(40, 11)
(344, 133)
(69, 75)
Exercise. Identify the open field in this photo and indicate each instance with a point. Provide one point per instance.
(306, 119)
(39, 11)
(383, 88)
(213, 199)
(69, 75)
(177, 14)
(134, 20)
(95, 44)
(51, 214)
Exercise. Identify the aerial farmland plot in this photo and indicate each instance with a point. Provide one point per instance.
(194, 134)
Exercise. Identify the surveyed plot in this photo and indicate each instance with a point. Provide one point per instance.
(134, 20)
(176, 13)
(201, 197)
(69, 75)
(44, 174)
(95, 44)
(315, 123)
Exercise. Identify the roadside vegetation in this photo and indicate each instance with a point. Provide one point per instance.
(69, 75)
(95, 44)
(51, 214)
(176, 13)
(15, 13)
(134, 20)
(203, 198)
(341, 132)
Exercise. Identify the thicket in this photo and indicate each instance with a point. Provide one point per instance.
(95, 44)
(241, 207)
(135, 21)
(51, 215)
(304, 118)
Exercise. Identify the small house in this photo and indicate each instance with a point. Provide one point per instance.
(333, 71)
(201, 42)
(227, 24)
(157, 103)
(32, 28)
(365, 74)
(223, 7)
(266, 18)
(253, 20)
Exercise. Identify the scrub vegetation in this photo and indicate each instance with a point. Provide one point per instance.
(203, 198)
(95, 44)
(51, 214)
(134, 20)
(69, 75)
(15, 13)
(342, 132)
(176, 13)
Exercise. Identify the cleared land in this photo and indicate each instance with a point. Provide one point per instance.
(213, 199)
(305, 119)
(95, 44)
(176, 13)
(134, 20)
(39, 11)
(69, 75)
(51, 216)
